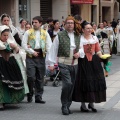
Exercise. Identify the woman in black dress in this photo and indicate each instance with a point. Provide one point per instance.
(90, 85)
(11, 81)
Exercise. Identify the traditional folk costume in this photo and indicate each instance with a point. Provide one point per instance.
(90, 85)
(102, 35)
(20, 32)
(14, 31)
(21, 55)
(104, 39)
(111, 37)
(39, 41)
(118, 39)
(64, 46)
(11, 83)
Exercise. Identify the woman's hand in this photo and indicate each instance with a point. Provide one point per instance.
(15, 47)
(77, 55)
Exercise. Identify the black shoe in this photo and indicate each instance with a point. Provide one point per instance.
(2, 107)
(83, 110)
(29, 99)
(65, 110)
(93, 109)
(40, 101)
(70, 112)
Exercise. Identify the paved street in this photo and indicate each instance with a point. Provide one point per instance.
(109, 110)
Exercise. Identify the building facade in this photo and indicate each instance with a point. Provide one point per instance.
(88, 11)
(18, 9)
(96, 11)
(109, 9)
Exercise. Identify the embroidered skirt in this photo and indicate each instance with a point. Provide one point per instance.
(11, 81)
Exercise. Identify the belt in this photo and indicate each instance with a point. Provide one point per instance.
(40, 54)
(38, 57)
(67, 61)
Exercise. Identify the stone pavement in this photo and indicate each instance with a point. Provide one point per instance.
(113, 91)
(109, 110)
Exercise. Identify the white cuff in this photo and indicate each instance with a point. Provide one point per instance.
(99, 52)
(51, 64)
(31, 51)
(82, 54)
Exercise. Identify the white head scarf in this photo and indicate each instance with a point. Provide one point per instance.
(2, 28)
(6, 15)
(10, 38)
(14, 30)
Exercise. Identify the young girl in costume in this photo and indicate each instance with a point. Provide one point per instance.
(11, 80)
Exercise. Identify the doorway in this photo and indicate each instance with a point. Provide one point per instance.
(94, 13)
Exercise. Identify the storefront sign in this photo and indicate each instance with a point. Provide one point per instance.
(81, 1)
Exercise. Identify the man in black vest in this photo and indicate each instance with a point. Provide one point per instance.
(66, 48)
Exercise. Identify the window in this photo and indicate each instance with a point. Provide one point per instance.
(46, 9)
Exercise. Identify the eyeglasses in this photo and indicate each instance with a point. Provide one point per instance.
(69, 23)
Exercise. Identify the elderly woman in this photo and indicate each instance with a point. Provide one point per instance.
(11, 81)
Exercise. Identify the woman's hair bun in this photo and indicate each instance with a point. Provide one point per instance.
(84, 23)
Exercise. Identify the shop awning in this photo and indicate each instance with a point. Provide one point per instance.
(81, 1)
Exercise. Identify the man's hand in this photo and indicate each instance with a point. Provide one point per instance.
(36, 54)
(51, 68)
(77, 55)
(28, 46)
